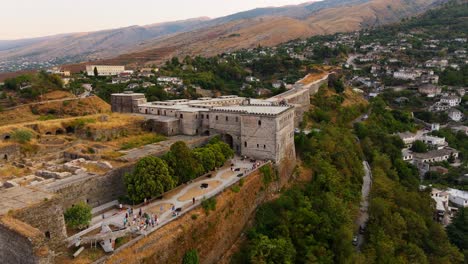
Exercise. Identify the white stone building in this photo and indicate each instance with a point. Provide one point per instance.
(451, 100)
(455, 114)
(458, 197)
(105, 70)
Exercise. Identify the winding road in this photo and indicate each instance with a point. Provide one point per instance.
(363, 215)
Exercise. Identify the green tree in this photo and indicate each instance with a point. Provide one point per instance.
(191, 257)
(458, 229)
(419, 147)
(150, 178)
(206, 157)
(274, 251)
(78, 216)
(96, 73)
(183, 162)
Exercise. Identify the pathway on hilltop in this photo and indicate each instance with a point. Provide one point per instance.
(225, 176)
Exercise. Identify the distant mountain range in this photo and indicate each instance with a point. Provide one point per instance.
(137, 45)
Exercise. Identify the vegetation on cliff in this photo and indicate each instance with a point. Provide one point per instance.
(315, 221)
(312, 221)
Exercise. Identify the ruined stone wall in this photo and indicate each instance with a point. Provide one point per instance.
(96, 190)
(47, 217)
(21, 243)
(9, 152)
(210, 234)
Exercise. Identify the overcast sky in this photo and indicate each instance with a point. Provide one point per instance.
(34, 18)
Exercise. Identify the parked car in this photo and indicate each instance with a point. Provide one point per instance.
(362, 229)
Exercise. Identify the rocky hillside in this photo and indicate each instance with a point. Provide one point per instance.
(250, 31)
(77, 47)
(203, 36)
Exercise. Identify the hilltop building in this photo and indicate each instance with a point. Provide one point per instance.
(254, 128)
(105, 70)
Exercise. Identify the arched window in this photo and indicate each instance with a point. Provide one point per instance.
(245, 144)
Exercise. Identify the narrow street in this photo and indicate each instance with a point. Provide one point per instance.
(364, 216)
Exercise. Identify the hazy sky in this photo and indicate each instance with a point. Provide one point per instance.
(33, 18)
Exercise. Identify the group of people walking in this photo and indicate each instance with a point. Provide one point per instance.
(140, 220)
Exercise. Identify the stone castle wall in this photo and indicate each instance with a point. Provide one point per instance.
(210, 234)
(21, 243)
(47, 217)
(96, 190)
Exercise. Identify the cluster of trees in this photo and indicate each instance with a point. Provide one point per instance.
(401, 226)
(31, 86)
(458, 230)
(455, 77)
(153, 176)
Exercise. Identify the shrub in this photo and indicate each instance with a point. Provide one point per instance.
(241, 182)
(209, 205)
(194, 217)
(79, 216)
(22, 136)
(235, 188)
(191, 257)
(267, 174)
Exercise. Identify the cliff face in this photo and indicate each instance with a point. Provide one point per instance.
(210, 234)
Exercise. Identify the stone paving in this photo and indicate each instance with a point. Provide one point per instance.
(225, 176)
(20, 197)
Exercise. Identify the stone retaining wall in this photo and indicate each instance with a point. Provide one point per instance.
(21, 243)
(211, 234)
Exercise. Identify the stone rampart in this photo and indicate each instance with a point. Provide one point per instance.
(21, 243)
